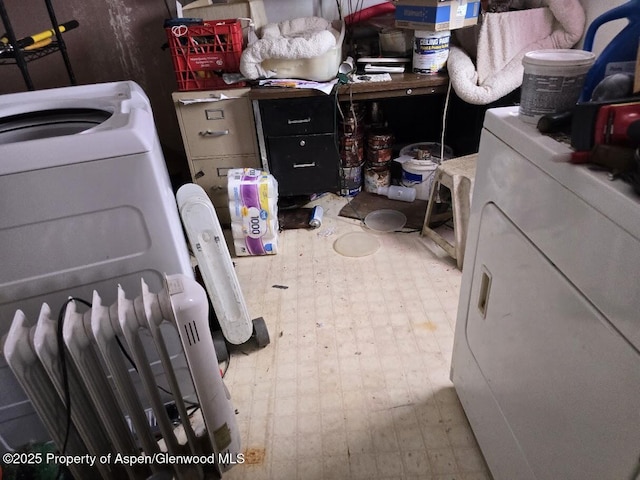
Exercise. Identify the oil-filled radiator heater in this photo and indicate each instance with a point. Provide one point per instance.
(69, 367)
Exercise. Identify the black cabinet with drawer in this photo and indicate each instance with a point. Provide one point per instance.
(299, 139)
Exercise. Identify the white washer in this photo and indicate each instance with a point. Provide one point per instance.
(546, 355)
(86, 203)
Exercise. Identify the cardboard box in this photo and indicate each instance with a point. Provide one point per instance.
(435, 15)
(211, 10)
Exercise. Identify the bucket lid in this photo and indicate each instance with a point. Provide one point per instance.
(561, 56)
(426, 164)
(433, 147)
(385, 220)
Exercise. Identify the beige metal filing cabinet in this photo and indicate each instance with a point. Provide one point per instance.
(218, 131)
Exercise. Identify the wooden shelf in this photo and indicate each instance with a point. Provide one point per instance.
(401, 85)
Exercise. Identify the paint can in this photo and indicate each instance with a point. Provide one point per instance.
(379, 138)
(352, 150)
(352, 126)
(353, 121)
(376, 175)
(379, 156)
(350, 181)
(430, 51)
(379, 143)
(552, 81)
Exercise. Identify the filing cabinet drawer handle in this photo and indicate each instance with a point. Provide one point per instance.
(304, 165)
(211, 133)
(302, 120)
(211, 98)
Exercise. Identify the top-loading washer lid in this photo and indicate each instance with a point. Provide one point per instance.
(49, 123)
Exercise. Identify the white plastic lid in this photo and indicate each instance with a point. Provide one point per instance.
(560, 56)
(385, 220)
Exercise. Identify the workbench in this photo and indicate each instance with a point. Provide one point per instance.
(296, 128)
(401, 85)
(291, 133)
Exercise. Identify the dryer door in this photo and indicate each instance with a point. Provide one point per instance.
(564, 385)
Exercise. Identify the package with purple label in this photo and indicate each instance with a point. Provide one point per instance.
(253, 206)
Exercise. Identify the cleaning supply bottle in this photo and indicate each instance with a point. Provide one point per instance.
(395, 192)
(620, 54)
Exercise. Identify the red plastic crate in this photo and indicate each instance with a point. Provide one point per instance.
(201, 53)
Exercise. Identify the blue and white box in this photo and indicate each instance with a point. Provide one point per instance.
(435, 15)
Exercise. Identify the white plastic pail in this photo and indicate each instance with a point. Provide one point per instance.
(552, 82)
(419, 175)
(419, 162)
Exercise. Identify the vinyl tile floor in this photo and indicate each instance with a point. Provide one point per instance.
(355, 382)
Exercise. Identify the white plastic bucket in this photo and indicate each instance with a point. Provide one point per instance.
(419, 162)
(552, 81)
(433, 148)
(418, 174)
(430, 51)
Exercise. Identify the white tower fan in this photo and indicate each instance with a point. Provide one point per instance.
(214, 260)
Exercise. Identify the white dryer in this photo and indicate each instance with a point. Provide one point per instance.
(86, 203)
(546, 355)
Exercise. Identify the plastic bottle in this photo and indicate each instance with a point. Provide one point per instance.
(622, 48)
(394, 192)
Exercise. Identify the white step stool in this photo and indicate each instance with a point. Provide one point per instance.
(457, 175)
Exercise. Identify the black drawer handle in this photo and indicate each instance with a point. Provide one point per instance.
(304, 165)
(302, 120)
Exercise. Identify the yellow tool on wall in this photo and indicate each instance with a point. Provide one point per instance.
(38, 40)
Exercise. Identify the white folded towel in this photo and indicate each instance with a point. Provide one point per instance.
(486, 63)
(305, 37)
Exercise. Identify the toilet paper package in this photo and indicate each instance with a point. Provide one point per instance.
(253, 206)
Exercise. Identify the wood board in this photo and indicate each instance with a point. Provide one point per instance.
(364, 203)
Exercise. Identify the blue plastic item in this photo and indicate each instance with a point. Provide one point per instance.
(623, 47)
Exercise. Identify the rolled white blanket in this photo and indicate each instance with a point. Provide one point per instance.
(305, 37)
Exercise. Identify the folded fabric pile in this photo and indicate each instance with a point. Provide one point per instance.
(306, 37)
